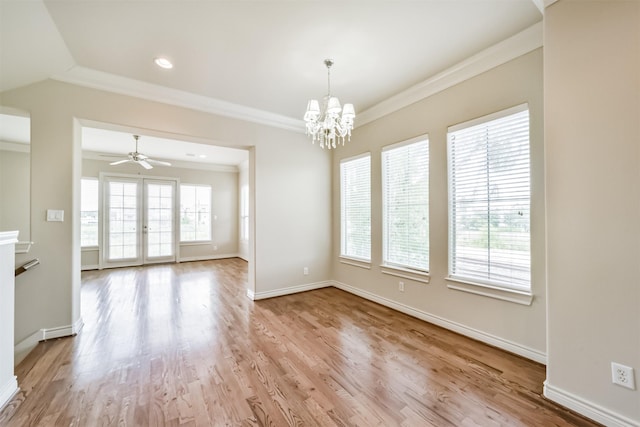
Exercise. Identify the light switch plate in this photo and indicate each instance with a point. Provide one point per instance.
(55, 215)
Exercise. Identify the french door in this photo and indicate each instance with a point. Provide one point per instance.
(140, 221)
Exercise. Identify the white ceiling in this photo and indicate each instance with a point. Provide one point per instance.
(264, 56)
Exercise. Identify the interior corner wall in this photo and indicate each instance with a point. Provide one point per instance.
(518, 328)
(290, 186)
(592, 138)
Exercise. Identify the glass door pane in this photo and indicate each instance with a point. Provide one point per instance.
(159, 220)
(122, 221)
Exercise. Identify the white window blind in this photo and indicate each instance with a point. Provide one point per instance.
(405, 187)
(195, 213)
(355, 190)
(489, 200)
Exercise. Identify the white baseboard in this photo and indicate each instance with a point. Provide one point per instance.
(207, 257)
(586, 408)
(24, 347)
(490, 339)
(8, 390)
(90, 267)
(287, 291)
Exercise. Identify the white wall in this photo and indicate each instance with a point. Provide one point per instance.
(518, 328)
(592, 139)
(14, 192)
(290, 181)
(224, 215)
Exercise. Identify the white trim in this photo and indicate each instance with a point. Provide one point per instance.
(24, 347)
(62, 331)
(498, 54)
(8, 390)
(504, 294)
(8, 237)
(355, 262)
(90, 267)
(17, 147)
(489, 117)
(288, 291)
(196, 243)
(207, 257)
(510, 346)
(95, 79)
(356, 157)
(420, 138)
(539, 4)
(587, 408)
(405, 273)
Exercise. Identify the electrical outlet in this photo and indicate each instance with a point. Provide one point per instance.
(305, 271)
(622, 375)
(401, 286)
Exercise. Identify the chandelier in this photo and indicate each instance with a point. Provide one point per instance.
(328, 126)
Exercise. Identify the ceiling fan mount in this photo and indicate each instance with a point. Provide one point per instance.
(139, 158)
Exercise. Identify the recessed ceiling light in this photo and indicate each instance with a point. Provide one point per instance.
(163, 63)
(202, 156)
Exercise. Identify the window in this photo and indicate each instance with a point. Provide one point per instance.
(405, 204)
(89, 212)
(195, 213)
(244, 213)
(355, 191)
(489, 200)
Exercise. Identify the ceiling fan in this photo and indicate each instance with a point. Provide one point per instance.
(139, 158)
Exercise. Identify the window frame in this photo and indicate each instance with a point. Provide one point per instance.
(181, 212)
(496, 288)
(358, 259)
(386, 263)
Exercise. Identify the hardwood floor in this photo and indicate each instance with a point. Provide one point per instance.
(174, 345)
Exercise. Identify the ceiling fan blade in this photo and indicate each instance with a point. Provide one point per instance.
(159, 162)
(145, 164)
(119, 162)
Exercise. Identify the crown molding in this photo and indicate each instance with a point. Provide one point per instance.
(95, 79)
(498, 54)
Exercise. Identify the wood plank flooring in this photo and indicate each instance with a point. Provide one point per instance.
(181, 345)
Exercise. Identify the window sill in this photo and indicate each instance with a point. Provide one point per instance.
(196, 243)
(504, 294)
(405, 273)
(355, 262)
(89, 248)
